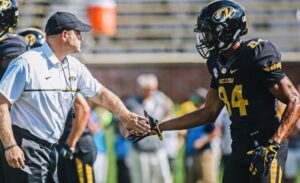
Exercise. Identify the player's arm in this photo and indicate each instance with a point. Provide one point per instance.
(205, 115)
(82, 110)
(286, 93)
(268, 60)
(128, 119)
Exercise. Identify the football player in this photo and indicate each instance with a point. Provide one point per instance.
(9, 16)
(246, 77)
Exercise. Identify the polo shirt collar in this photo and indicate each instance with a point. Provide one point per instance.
(49, 53)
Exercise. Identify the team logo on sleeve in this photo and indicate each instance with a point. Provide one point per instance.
(273, 67)
(215, 71)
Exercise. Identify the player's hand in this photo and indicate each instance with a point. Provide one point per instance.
(263, 157)
(15, 157)
(65, 151)
(154, 124)
(134, 122)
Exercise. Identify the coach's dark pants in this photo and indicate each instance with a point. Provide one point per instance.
(40, 156)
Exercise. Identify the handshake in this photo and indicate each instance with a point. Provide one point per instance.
(154, 124)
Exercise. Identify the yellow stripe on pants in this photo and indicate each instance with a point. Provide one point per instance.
(89, 173)
(79, 168)
(275, 172)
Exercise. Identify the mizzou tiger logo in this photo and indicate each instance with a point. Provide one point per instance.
(5, 4)
(30, 38)
(223, 14)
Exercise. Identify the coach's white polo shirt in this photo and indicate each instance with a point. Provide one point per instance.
(42, 90)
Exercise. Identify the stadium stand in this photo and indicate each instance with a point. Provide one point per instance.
(162, 30)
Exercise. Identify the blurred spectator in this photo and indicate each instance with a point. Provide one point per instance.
(224, 122)
(200, 165)
(226, 140)
(148, 159)
(122, 147)
(293, 159)
(99, 118)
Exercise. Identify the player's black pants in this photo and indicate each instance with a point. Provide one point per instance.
(80, 168)
(237, 168)
(40, 157)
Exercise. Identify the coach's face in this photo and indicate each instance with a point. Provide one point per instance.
(73, 41)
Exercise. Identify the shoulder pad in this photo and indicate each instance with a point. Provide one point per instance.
(265, 54)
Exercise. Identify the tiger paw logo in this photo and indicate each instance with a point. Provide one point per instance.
(223, 14)
(30, 38)
(5, 4)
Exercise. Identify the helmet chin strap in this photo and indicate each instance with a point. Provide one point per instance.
(234, 38)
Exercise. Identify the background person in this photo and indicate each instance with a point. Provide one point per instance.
(199, 159)
(148, 160)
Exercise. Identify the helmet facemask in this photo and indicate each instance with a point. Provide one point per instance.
(214, 40)
(207, 40)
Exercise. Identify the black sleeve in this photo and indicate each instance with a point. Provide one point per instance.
(268, 61)
(213, 81)
(209, 128)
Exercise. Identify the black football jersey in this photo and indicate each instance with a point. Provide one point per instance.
(243, 82)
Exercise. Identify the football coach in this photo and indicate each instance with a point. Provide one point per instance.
(36, 93)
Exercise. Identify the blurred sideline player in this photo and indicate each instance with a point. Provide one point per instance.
(77, 139)
(76, 148)
(11, 45)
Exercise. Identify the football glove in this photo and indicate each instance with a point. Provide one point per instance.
(65, 151)
(263, 157)
(154, 124)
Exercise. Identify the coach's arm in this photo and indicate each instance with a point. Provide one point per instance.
(13, 153)
(129, 120)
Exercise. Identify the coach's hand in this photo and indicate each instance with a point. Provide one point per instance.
(15, 156)
(263, 157)
(134, 122)
(155, 130)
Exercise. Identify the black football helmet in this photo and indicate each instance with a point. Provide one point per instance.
(9, 15)
(219, 25)
(35, 37)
